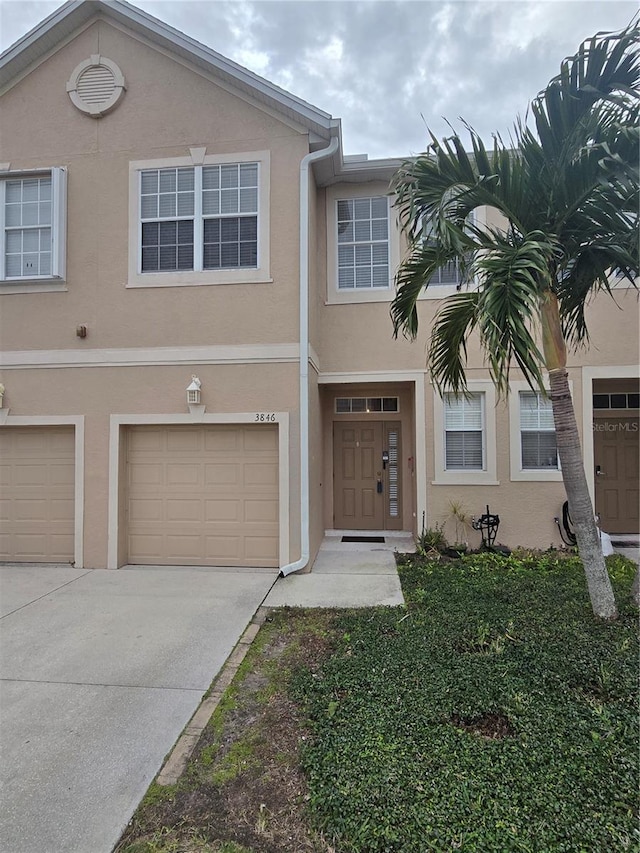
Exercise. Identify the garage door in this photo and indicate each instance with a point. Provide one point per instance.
(37, 467)
(203, 495)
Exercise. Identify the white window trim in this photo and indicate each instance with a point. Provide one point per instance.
(41, 283)
(488, 476)
(441, 291)
(372, 294)
(189, 278)
(517, 472)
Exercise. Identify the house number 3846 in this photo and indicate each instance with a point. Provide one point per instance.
(264, 417)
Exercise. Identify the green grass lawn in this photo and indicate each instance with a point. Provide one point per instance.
(493, 713)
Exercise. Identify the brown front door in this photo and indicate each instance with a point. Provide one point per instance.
(367, 485)
(616, 455)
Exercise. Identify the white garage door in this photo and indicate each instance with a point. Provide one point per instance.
(37, 466)
(203, 495)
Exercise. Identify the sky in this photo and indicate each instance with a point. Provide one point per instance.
(389, 70)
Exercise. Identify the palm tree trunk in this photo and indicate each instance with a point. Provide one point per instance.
(575, 482)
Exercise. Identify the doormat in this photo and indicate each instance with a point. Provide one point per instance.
(362, 539)
(620, 543)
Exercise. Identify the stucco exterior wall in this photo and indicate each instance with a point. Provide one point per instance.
(96, 393)
(357, 338)
(143, 343)
(167, 109)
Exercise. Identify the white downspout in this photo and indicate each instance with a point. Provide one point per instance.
(304, 355)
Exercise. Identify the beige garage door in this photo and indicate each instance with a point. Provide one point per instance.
(203, 495)
(37, 467)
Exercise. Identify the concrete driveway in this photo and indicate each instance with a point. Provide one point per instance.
(99, 673)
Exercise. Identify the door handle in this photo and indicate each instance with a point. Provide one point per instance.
(385, 459)
(600, 472)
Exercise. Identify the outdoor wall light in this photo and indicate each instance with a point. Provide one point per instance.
(196, 408)
(193, 391)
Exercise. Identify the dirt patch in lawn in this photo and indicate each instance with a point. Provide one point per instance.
(491, 725)
(243, 789)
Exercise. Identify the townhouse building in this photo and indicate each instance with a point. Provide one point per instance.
(197, 353)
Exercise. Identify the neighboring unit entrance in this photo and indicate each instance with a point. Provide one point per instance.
(616, 445)
(203, 495)
(37, 507)
(366, 475)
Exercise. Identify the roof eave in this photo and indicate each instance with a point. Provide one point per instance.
(61, 24)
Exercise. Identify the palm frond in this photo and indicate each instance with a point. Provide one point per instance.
(589, 274)
(454, 322)
(567, 187)
(606, 69)
(514, 275)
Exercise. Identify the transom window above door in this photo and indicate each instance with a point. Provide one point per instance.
(366, 405)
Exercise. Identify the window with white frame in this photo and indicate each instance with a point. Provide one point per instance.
(32, 223)
(450, 274)
(538, 448)
(197, 218)
(363, 243)
(464, 444)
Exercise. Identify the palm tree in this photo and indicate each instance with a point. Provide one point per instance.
(567, 190)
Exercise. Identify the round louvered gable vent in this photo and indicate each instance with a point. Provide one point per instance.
(96, 86)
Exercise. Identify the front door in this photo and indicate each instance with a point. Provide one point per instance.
(616, 445)
(367, 484)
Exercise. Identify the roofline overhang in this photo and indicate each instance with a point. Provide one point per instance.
(42, 40)
(50, 34)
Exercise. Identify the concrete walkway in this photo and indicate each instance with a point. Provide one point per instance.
(627, 544)
(100, 672)
(347, 574)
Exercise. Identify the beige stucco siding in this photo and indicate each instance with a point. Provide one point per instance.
(167, 110)
(526, 508)
(358, 338)
(146, 337)
(141, 391)
(317, 478)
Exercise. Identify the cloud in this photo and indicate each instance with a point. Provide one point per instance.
(387, 68)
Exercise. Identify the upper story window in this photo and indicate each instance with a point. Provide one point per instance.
(537, 432)
(464, 432)
(32, 223)
(450, 277)
(449, 274)
(363, 243)
(199, 218)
